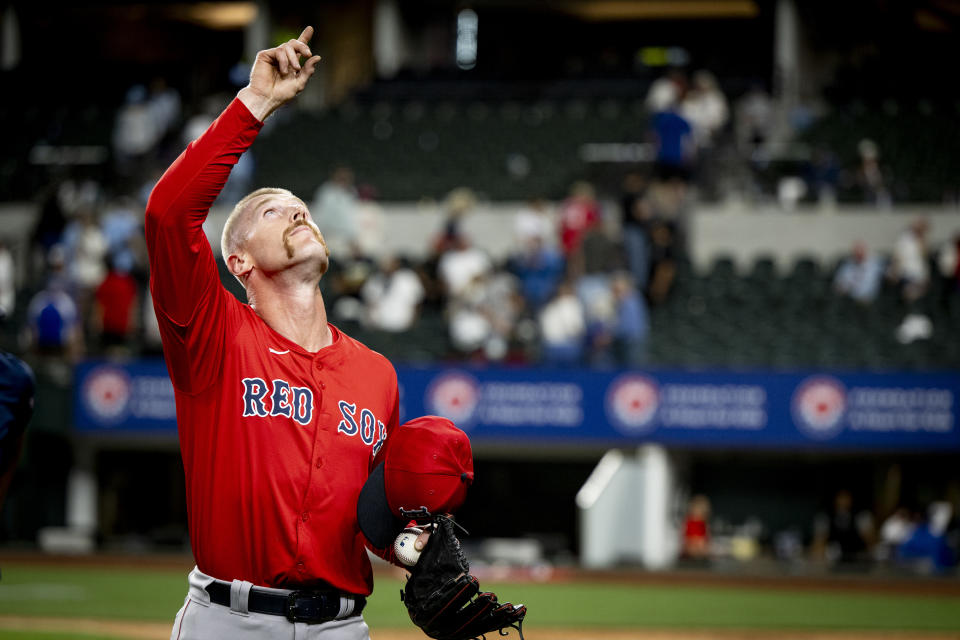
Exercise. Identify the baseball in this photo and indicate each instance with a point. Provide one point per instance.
(403, 546)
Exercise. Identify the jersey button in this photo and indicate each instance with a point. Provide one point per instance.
(304, 516)
(300, 567)
(319, 463)
(318, 364)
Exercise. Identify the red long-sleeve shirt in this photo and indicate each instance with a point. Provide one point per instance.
(276, 441)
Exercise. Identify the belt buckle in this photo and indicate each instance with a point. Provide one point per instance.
(304, 606)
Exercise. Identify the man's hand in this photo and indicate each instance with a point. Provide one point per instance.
(421, 540)
(278, 76)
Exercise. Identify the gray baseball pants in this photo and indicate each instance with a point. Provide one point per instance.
(200, 619)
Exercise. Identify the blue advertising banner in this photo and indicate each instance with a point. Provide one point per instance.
(129, 398)
(544, 407)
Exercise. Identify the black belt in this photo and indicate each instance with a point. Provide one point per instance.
(306, 605)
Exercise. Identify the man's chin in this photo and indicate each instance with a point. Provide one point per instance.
(316, 256)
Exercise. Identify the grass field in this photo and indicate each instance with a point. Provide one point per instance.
(40, 601)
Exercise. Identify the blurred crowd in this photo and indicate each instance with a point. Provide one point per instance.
(564, 295)
(576, 289)
(750, 148)
(845, 535)
(578, 286)
(911, 266)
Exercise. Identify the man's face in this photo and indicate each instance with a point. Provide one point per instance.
(281, 234)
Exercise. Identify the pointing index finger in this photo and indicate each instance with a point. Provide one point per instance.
(306, 35)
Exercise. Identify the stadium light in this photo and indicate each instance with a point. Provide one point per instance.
(467, 22)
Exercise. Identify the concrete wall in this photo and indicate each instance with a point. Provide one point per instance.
(824, 234)
(739, 231)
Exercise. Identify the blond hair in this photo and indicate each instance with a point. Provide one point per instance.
(234, 230)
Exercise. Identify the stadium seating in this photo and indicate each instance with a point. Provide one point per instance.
(506, 150)
(762, 319)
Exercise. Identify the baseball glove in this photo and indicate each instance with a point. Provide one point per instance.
(445, 601)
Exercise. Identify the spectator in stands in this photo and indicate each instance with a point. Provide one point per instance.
(948, 263)
(631, 327)
(8, 284)
(53, 319)
(47, 232)
(460, 265)
(368, 222)
(599, 311)
(76, 195)
(860, 275)
(392, 296)
(909, 267)
(822, 175)
(895, 530)
(483, 316)
(539, 268)
(843, 536)
(927, 548)
(563, 328)
(705, 108)
(202, 118)
(346, 278)
(115, 308)
(121, 224)
(636, 219)
(675, 147)
(86, 249)
(136, 132)
(468, 325)
(578, 213)
(617, 324)
(870, 176)
(663, 257)
(334, 204)
(534, 222)
(666, 90)
(593, 266)
(696, 529)
(163, 104)
(457, 205)
(754, 121)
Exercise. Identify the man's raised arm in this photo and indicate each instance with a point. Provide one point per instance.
(187, 295)
(181, 264)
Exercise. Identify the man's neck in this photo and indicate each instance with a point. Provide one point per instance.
(295, 312)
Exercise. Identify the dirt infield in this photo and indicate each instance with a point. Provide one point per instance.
(161, 631)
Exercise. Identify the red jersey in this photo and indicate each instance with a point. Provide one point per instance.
(577, 216)
(116, 295)
(276, 441)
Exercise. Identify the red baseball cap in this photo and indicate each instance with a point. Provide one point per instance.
(426, 463)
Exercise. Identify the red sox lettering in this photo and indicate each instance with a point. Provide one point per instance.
(280, 398)
(284, 400)
(369, 426)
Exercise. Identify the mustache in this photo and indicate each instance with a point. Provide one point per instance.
(296, 225)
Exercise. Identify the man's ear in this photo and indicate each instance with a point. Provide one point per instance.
(239, 265)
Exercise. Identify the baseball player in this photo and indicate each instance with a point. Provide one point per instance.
(279, 413)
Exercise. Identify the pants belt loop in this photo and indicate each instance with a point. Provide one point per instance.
(240, 596)
(346, 607)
